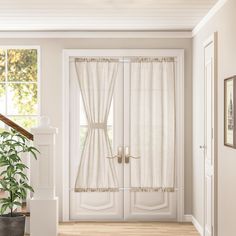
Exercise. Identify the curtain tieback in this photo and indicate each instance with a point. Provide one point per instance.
(102, 125)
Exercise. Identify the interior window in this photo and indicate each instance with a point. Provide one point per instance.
(19, 98)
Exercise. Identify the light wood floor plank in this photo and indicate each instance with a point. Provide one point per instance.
(126, 229)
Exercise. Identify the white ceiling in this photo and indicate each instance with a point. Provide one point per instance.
(102, 14)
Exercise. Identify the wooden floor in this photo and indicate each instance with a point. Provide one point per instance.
(127, 229)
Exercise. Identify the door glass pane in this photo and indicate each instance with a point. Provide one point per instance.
(2, 65)
(83, 118)
(110, 116)
(110, 124)
(83, 125)
(83, 132)
(22, 65)
(23, 99)
(110, 134)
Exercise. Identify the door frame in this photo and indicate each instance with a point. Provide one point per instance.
(212, 39)
(68, 55)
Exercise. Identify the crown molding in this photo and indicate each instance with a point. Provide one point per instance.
(116, 34)
(96, 34)
(209, 16)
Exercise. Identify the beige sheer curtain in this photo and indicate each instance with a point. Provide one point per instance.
(152, 138)
(96, 78)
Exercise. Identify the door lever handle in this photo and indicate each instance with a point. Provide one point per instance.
(202, 147)
(119, 155)
(128, 156)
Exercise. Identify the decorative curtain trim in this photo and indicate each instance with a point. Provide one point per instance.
(132, 59)
(148, 189)
(96, 189)
(153, 59)
(96, 59)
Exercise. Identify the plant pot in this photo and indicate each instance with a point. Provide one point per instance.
(12, 226)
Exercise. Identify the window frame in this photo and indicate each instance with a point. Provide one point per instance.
(38, 49)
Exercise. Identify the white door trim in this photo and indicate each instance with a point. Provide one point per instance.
(68, 55)
(213, 39)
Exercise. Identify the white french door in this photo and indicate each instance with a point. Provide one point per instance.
(95, 205)
(125, 204)
(140, 205)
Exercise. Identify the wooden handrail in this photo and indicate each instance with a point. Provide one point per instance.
(15, 126)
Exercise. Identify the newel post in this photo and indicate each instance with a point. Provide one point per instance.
(44, 204)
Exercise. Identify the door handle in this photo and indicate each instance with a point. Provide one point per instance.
(128, 156)
(202, 147)
(119, 155)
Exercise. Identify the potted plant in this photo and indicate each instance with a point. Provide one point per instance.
(13, 181)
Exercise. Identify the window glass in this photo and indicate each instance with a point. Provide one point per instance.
(22, 65)
(19, 86)
(2, 98)
(22, 99)
(2, 65)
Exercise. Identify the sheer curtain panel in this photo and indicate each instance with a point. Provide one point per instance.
(152, 124)
(96, 79)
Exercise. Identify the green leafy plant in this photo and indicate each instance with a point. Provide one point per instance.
(13, 180)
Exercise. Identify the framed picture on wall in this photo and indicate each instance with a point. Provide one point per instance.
(230, 112)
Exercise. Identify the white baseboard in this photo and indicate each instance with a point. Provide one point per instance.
(197, 226)
(187, 218)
